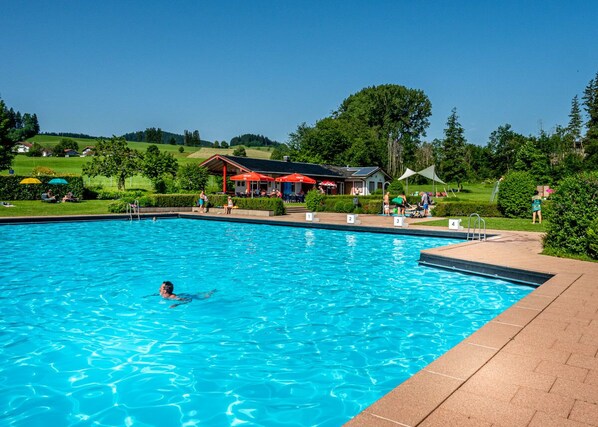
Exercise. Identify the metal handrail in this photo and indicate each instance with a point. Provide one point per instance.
(132, 209)
(477, 226)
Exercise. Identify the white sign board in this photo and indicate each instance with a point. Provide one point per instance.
(454, 224)
(351, 219)
(309, 216)
(399, 221)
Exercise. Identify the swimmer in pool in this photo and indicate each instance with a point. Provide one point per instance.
(167, 292)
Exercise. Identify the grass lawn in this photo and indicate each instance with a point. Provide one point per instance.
(39, 208)
(511, 224)
(479, 192)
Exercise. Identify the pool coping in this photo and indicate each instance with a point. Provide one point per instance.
(534, 364)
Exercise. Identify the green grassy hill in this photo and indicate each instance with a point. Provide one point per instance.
(24, 165)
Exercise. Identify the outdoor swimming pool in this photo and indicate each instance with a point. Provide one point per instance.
(307, 327)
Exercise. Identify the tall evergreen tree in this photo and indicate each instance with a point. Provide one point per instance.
(590, 101)
(6, 141)
(453, 165)
(575, 124)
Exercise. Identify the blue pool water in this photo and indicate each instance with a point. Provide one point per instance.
(307, 327)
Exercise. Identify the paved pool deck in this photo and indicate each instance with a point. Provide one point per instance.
(536, 364)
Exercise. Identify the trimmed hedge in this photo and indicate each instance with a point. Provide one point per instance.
(10, 189)
(275, 205)
(465, 209)
(318, 202)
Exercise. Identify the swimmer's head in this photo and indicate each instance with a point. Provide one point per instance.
(168, 287)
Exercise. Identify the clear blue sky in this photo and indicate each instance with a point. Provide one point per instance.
(233, 67)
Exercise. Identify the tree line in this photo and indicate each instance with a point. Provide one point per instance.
(384, 126)
(14, 127)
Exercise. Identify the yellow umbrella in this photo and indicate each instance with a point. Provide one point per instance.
(30, 181)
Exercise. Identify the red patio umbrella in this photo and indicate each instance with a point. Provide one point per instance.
(296, 177)
(327, 184)
(251, 176)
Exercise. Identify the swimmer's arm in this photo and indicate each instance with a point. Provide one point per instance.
(152, 295)
(182, 301)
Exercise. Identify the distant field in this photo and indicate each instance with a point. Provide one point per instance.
(197, 153)
(24, 165)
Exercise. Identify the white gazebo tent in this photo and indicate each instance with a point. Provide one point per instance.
(406, 176)
(431, 174)
(428, 172)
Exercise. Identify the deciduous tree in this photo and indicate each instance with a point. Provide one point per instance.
(113, 159)
(155, 164)
(399, 116)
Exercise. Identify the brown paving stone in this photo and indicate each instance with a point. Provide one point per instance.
(536, 338)
(585, 413)
(583, 361)
(494, 335)
(518, 373)
(445, 418)
(543, 330)
(584, 392)
(488, 386)
(523, 349)
(578, 348)
(559, 317)
(592, 378)
(562, 370)
(542, 419)
(415, 398)
(535, 301)
(486, 409)
(552, 404)
(364, 419)
(461, 361)
(517, 316)
(588, 340)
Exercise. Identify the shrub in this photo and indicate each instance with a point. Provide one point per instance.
(273, 204)
(466, 209)
(515, 195)
(314, 200)
(592, 238)
(573, 213)
(43, 170)
(174, 200)
(115, 195)
(395, 187)
(117, 206)
(344, 206)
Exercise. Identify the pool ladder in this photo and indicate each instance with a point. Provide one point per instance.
(476, 232)
(133, 209)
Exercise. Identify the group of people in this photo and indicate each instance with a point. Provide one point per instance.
(402, 204)
(50, 197)
(202, 202)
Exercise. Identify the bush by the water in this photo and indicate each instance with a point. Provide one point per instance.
(515, 195)
(318, 202)
(273, 204)
(572, 228)
(466, 208)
